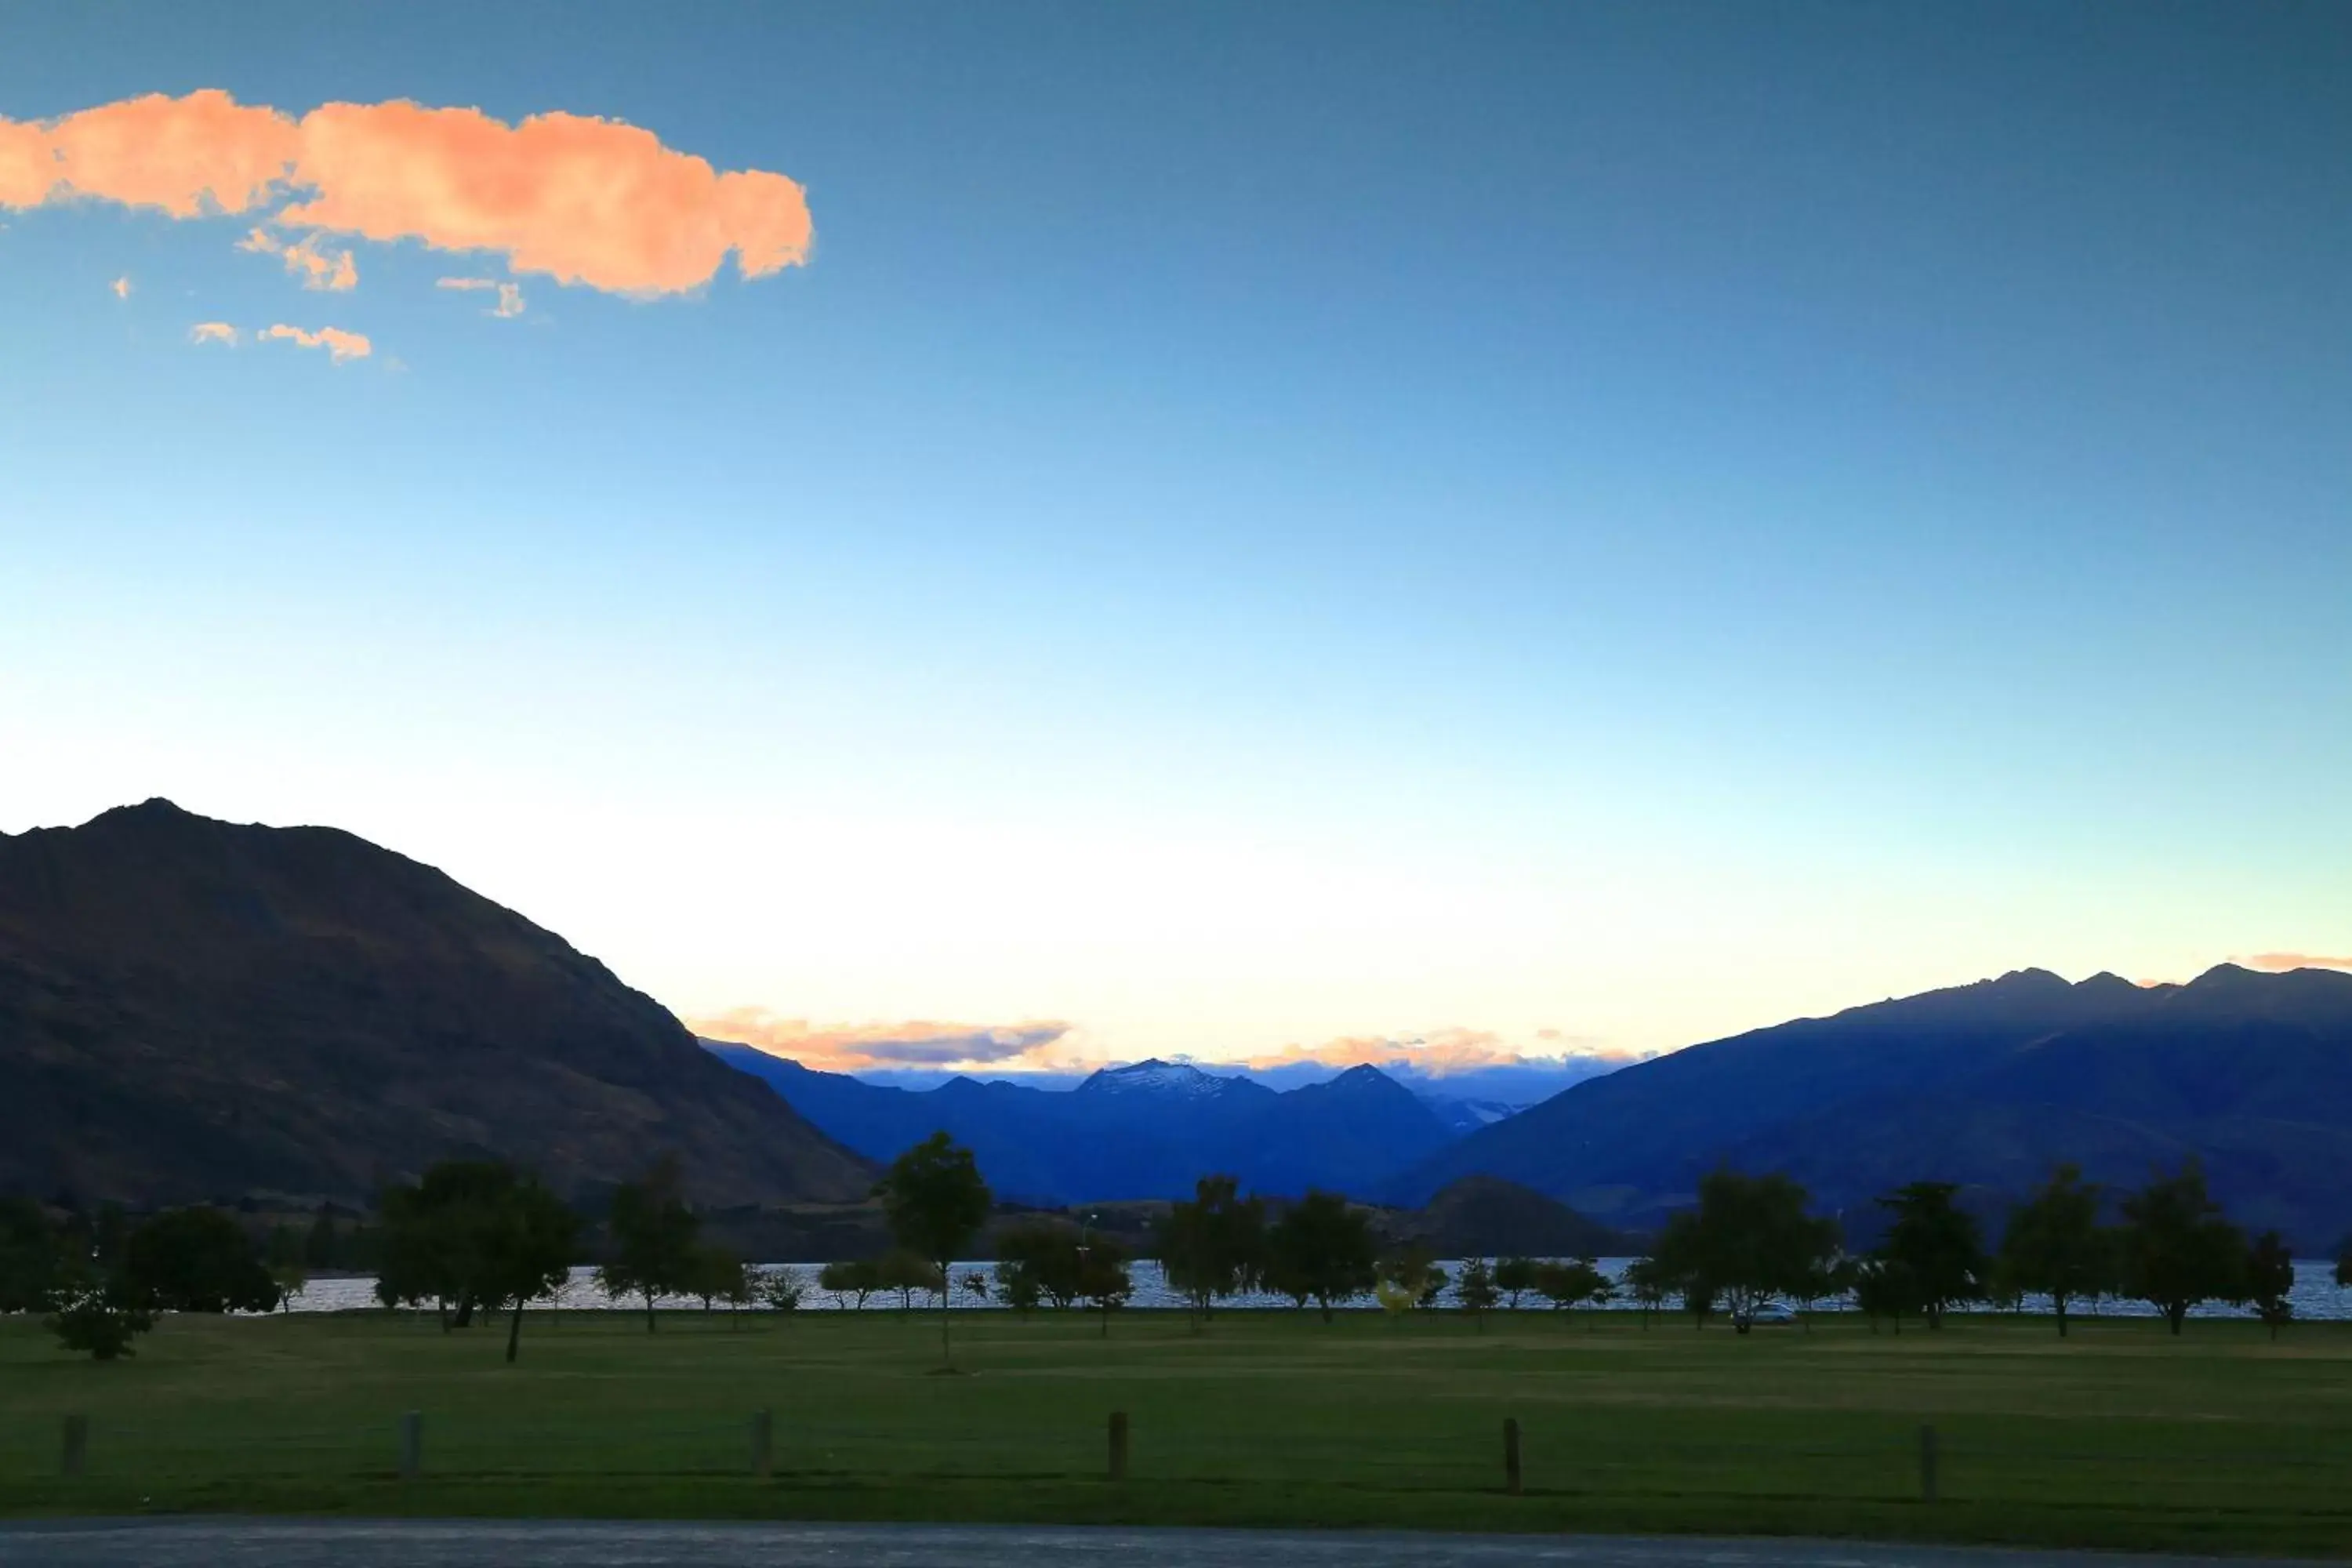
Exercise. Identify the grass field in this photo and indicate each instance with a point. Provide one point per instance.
(2120, 1437)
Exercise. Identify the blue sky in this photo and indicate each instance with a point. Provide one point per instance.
(1253, 526)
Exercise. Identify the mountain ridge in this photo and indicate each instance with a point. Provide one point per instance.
(192, 1008)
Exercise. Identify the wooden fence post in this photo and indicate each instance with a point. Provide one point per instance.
(764, 1430)
(411, 1445)
(1927, 1464)
(75, 1453)
(1511, 1455)
(1119, 1445)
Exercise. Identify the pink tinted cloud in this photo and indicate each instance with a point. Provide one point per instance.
(213, 333)
(121, 287)
(579, 199)
(317, 269)
(2286, 961)
(511, 302)
(340, 344)
(855, 1047)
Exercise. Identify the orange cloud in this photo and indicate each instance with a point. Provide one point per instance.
(340, 344)
(856, 1048)
(1437, 1054)
(579, 199)
(509, 294)
(304, 260)
(121, 287)
(213, 333)
(2286, 961)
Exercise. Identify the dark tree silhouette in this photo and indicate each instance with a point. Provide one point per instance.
(1748, 1240)
(2178, 1248)
(654, 1239)
(195, 1260)
(1213, 1247)
(2055, 1245)
(2270, 1282)
(1937, 1246)
(1320, 1250)
(936, 1203)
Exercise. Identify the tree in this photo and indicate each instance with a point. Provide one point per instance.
(1937, 1244)
(1474, 1288)
(1883, 1289)
(32, 1257)
(1649, 1283)
(1212, 1247)
(1320, 1250)
(1573, 1283)
(2177, 1248)
(856, 1277)
(1103, 1282)
(1413, 1274)
(2270, 1282)
(783, 1289)
(718, 1275)
(2344, 1265)
(93, 1315)
(1041, 1261)
(283, 1256)
(475, 1234)
(195, 1260)
(904, 1272)
(1514, 1277)
(1748, 1240)
(318, 1244)
(2056, 1247)
(936, 1203)
(654, 1238)
(975, 1285)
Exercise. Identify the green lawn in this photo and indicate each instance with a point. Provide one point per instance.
(2120, 1437)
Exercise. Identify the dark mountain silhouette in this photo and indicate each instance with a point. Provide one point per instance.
(1986, 1085)
(1148, 1131)
(192, 1009)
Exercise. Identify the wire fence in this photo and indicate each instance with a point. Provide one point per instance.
(1454, 1451)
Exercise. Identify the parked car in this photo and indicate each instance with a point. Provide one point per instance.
(1766, 1315)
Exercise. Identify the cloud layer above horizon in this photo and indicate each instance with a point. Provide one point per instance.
(856, 1048)
(582, 200)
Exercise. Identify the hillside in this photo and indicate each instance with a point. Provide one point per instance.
(1148, 1131)
(1986, 1085)
(193, 1009)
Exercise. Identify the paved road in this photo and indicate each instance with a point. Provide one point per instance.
(287, 1544)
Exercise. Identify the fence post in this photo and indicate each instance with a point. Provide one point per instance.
(411, 1445)
(1927, 1464)
(1119, 1445)
(76, 1449)
(764, 1429)
(1511, 1455)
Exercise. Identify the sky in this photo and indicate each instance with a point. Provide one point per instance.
(1029, 534)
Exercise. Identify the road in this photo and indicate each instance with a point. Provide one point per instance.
(411, 1544)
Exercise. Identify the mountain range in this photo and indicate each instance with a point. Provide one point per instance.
(191, 1009)
(1986, 1085)
(1146, 1131)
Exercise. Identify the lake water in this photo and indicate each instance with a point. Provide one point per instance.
(2316, 1295)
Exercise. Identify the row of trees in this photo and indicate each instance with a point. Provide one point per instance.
(1753, 1238)
(99, 1283)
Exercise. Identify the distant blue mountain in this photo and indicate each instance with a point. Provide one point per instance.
(1148, 1131)
(1986, 1085)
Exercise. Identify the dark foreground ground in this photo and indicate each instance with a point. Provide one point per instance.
(2219, 1442)
(414, 1543)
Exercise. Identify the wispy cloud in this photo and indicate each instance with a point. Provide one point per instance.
(2284, 961)
(213, 333)
(317, 269)
(340, 344)
(121, 287)
(576, 198)
(1435, 1054)
(855, 1047)
(511, 302)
